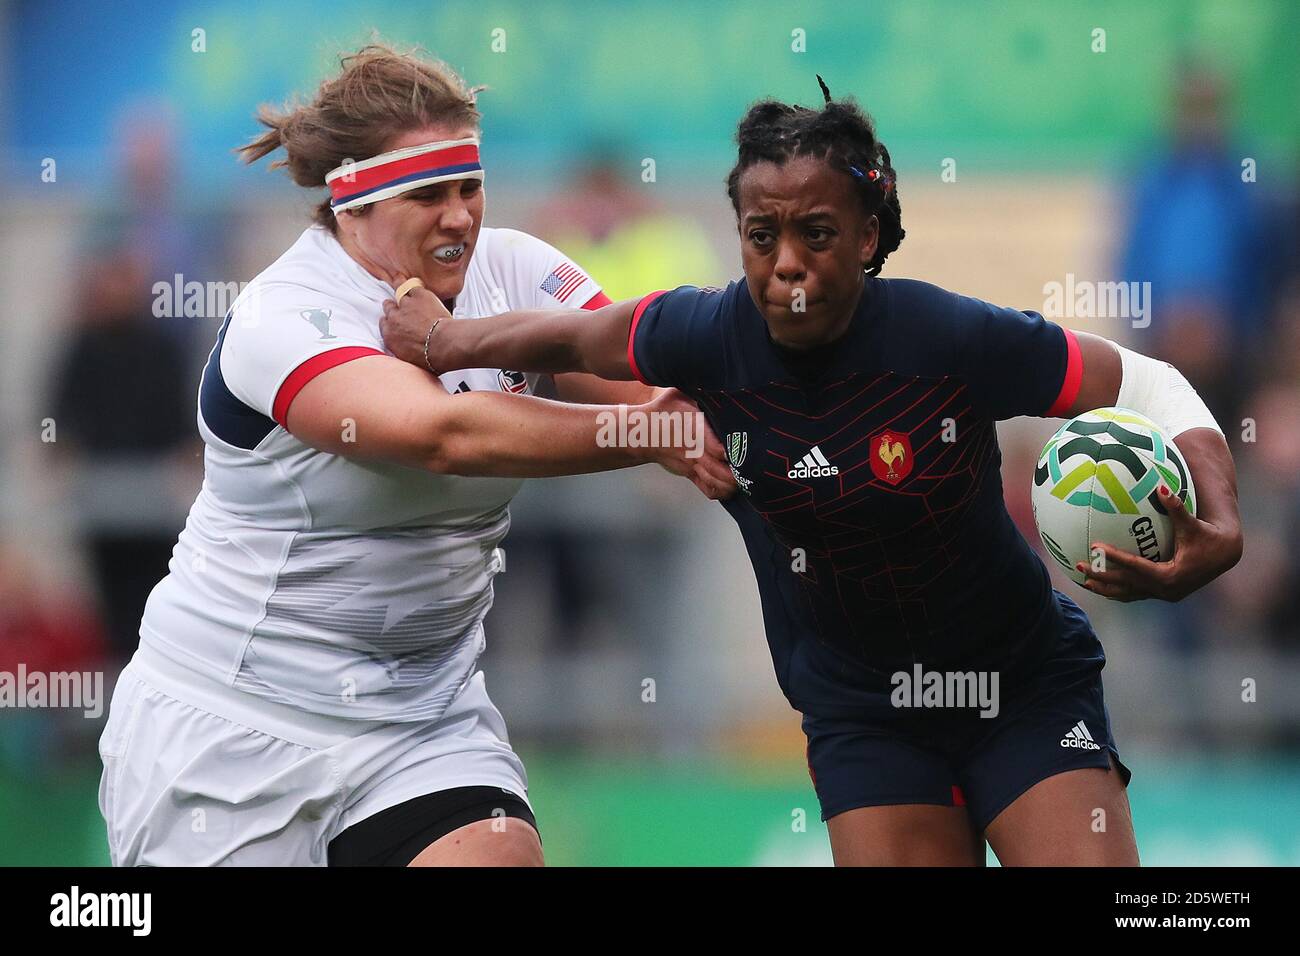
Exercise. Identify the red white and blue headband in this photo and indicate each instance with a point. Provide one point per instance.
(390, 174)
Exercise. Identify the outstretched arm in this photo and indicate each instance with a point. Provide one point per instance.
(559, 340)
(1206, 545)
(378, 408)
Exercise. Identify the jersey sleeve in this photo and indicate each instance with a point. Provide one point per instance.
(278, 340)
(674, 336)
(1017, 363)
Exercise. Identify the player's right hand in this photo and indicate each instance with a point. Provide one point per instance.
(701, 457)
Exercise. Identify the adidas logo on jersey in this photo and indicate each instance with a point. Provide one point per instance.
(1079, 739)
(813, 465)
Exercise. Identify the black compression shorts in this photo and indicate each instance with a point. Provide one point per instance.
(395, 837)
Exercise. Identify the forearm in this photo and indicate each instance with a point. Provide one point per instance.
(1161, 392)
(1214, 476)
(555, 341)
(532, 341)
(502, 435)
(580, 388)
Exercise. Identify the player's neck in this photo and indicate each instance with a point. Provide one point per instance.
(359, 257)
(834, 333)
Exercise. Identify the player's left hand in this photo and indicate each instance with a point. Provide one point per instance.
(1202, 551)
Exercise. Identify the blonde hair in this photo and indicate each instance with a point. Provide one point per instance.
(378, 94)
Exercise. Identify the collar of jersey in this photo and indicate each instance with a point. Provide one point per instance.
(351, 269)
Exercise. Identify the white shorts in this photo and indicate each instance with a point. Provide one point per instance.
(206, 775)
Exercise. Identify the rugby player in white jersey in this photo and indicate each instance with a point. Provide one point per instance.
(306, 690)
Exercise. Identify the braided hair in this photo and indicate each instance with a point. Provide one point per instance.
(841, 134)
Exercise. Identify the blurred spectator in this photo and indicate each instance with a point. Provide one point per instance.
(1197, 233)
(169, 239)
(614, 229)
(1259, 600)
(45, 632)
(40, 632)
(1266, 586)
(124, 415)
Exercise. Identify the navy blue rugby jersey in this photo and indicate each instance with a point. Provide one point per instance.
(871, 494)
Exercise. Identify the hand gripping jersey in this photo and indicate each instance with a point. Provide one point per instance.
(346, 588)
(871, 497)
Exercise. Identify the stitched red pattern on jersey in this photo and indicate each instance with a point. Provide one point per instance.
(884, 468)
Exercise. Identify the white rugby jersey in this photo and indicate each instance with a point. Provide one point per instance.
(348, 588)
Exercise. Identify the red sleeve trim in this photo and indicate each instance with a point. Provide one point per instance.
(308, 370)
(597, 301)
(631, 334)
(1073, 377)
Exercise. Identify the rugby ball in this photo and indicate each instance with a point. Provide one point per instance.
(1096, 480)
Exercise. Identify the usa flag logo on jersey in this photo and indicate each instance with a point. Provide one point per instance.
(563, 281)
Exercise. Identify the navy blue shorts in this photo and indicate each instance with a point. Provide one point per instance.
(1053, 721)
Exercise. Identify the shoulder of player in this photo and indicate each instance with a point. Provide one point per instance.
(508, 260)
(511, 268)
(928, 330)
(505, 238)
(703, 315)
(270, 296)
(502, 247)
(708, 303)
(271, 307)
(916, 294)
(308, 269)
(925, 307)
(701, 325)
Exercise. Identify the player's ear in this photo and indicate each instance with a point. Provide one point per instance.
(870, 239)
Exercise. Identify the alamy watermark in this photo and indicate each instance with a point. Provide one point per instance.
(133, 911)
(634, 428)
(179, 299)
(1086, 299)
(71, 690)
(946, 689)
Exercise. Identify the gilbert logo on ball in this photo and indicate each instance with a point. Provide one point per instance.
(1096, 480)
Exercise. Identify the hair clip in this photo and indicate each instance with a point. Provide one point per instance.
(877, 176)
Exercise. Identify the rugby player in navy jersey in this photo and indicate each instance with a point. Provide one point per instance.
(859, 415)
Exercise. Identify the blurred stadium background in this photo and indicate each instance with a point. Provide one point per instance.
(1169, 156)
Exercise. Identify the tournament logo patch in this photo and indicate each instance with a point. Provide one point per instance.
(737, 448)
(320, 318)
(890, 456)
(514, 382)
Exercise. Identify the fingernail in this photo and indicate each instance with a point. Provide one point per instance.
(1164, 490)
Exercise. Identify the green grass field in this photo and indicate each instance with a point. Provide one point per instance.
(623, 812)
